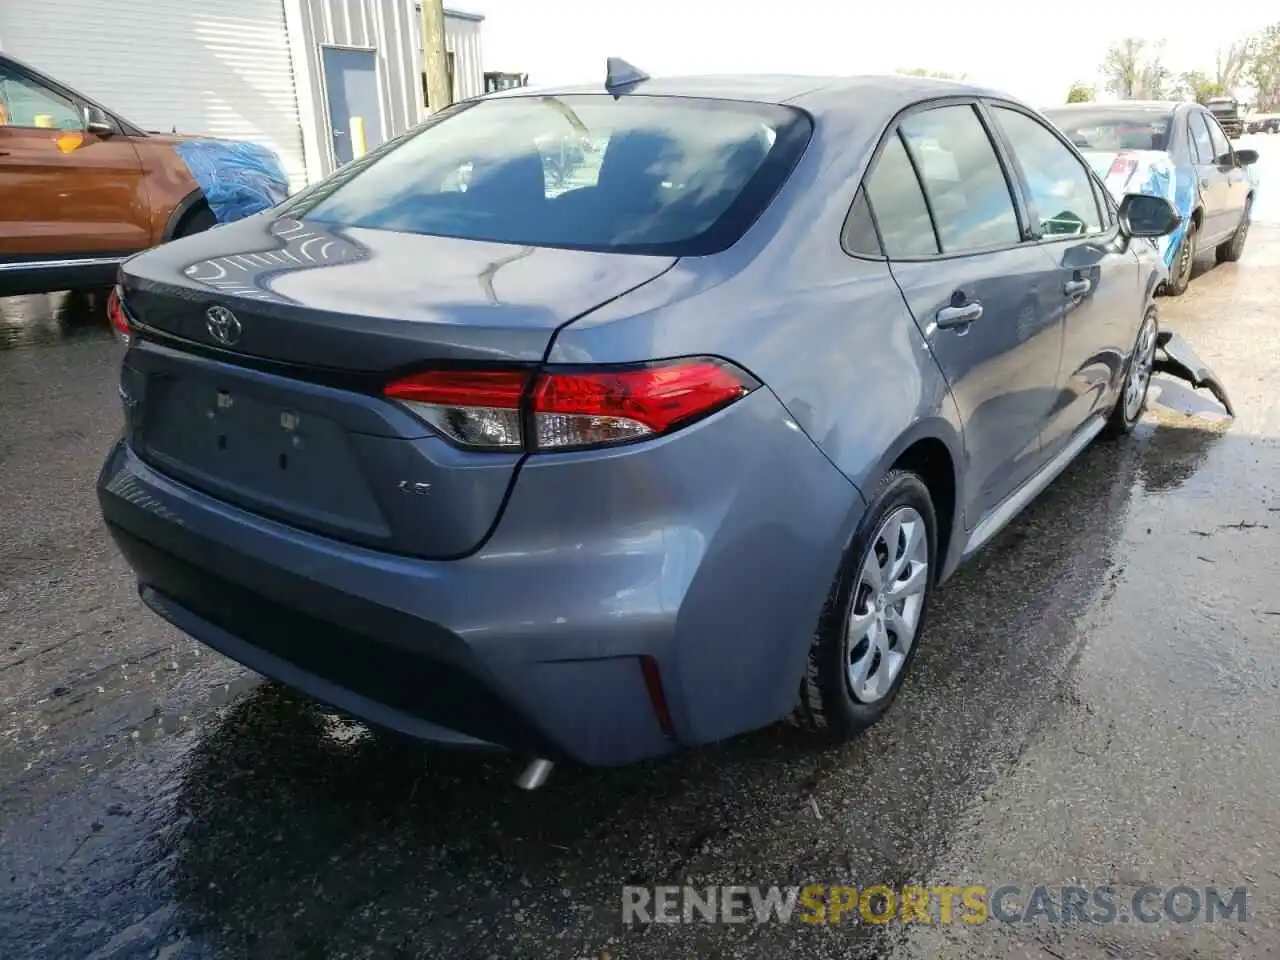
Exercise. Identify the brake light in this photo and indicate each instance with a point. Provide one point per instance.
(570, 408)
(586, 408)
(119, 317)
(1124, 166)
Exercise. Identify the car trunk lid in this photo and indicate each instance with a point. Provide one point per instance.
(364, 300)
(278, 410)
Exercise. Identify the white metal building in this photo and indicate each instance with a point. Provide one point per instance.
(315, 80)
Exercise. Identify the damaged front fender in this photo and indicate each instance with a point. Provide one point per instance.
(237, 178)
(1175, 357)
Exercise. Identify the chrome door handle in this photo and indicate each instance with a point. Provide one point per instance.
(959, 316)
(1077, 288)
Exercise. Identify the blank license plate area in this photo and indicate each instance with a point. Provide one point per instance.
(259, 454)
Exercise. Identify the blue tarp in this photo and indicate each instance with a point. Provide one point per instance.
(239, 179)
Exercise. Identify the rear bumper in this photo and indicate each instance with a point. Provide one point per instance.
(370, 673)
(535, 642)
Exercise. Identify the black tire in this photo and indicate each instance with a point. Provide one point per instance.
(1124, 416)
(827, 701)
(1184, 262)
(198, 219)
(1233, 249)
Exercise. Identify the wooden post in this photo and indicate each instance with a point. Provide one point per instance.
(435, 64)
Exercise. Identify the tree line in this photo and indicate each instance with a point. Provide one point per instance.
(1134, 69)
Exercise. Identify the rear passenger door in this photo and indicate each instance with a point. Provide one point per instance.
(1100, 294)
(1215, 184)
(987, 303)
(1235, 184)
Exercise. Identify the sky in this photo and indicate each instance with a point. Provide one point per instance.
(1033, 49)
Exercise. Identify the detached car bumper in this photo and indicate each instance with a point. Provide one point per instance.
(537, 642)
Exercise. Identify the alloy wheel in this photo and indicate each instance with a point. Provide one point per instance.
(888, 600)
(1242, 232)
(1144, 355)
(1187, 256)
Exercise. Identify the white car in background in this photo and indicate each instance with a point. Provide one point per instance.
(1175, 150)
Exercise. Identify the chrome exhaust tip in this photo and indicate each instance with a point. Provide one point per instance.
(535, 774)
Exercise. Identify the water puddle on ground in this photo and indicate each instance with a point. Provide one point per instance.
(47, 318)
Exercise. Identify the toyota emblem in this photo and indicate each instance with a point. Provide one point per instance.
(223, 326)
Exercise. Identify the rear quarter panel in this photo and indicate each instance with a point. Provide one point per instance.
(831, 337)
(829, 334)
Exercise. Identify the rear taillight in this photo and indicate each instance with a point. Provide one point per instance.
(476, 408)
(1124, 166)
(119, 317)
(570, 408)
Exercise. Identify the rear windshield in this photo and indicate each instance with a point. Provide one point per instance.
(1113, 130)
(659, 175)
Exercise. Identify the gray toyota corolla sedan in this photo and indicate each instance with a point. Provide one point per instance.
(594, 422)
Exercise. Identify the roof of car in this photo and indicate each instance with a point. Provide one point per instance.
(1120, 106)
(817, 92)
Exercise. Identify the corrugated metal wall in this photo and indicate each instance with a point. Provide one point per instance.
(225, 67)
(385, 26)
(462, 39)
(215, 68)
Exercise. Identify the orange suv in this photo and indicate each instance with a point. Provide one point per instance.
(81, 188)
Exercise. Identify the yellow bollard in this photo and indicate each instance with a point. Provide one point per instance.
(44, 121)
(358, 146)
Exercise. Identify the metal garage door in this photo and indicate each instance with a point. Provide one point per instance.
(218, 67)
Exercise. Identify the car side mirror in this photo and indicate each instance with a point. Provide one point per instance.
(97, 122)
(1246, 157)
(1142, 215)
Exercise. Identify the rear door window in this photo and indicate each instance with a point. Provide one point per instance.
(1060, 187)
(1221, 145)
(963, 179)
(894, 195)
(1201, 143)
